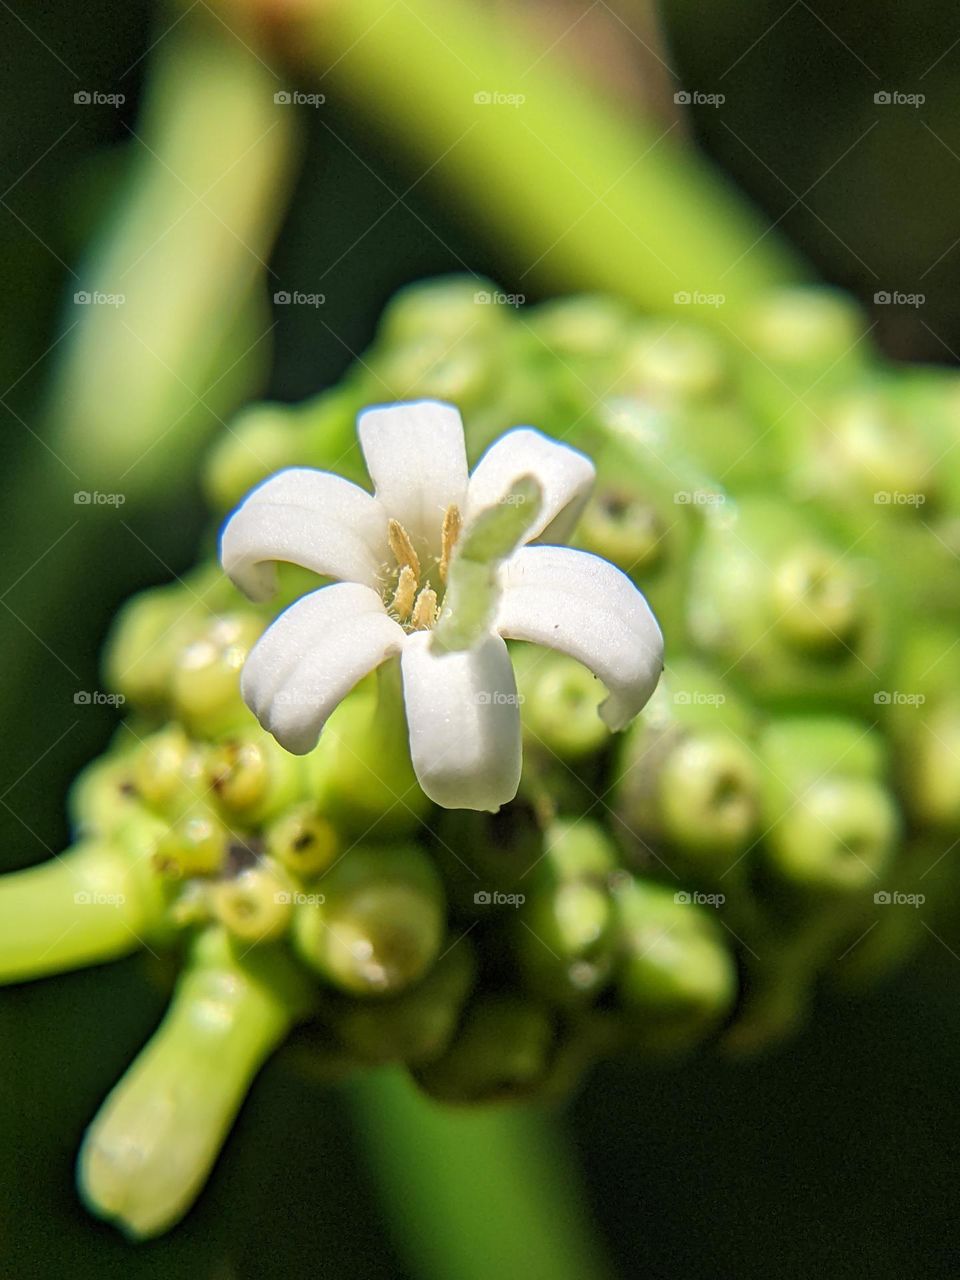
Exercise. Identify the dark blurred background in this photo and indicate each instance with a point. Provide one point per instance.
(833, 1157)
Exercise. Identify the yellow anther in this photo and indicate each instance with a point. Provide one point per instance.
(425, 610)
(406, 591)
(451, 532)
(402, 548)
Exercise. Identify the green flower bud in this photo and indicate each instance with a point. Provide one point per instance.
(303, 841)
(416, 1026)
(791, 616)
(262, 439)
(668, 363)
(588, 327)
(205, 681)
(559, 707)
(255, 905)
(96, 902)
(458, 371)
(146, 639)
(196, 846)
(806, 329)
(578, 849)
(622, 526)
(168, 771)
(687, 779)
(676, 980)
(564, 938)
(380, 924)
(150, 1148)
(253, 778)
(103, 796)
(448, 307)
(502, 1052)
(832, 826)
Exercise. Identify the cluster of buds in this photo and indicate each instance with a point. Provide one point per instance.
(776, 815)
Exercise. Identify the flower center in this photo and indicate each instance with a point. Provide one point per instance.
(414, 602)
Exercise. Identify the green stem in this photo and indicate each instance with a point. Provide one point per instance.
(583, 199)
(83, 907)
(486, 1193)
(151, 1147)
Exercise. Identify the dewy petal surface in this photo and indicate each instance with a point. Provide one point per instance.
(464, 722)
(565, 475)
(584, 606)
(312, 656)
(311, 518)
(417, 461)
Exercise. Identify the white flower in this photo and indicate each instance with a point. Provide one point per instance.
(392, 554)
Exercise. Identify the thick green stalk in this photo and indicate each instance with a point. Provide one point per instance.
(91, 904)
(151, 1147)
(587, 200)
(486, 1194)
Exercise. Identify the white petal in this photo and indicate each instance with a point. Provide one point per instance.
(310, 518)
(584, 606)
(418, 463)
(312, 656)
(565, 475)
(464, 722)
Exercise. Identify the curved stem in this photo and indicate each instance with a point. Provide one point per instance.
(478, 1194)
(583, 199)
(150, 1148)
(83, 907)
